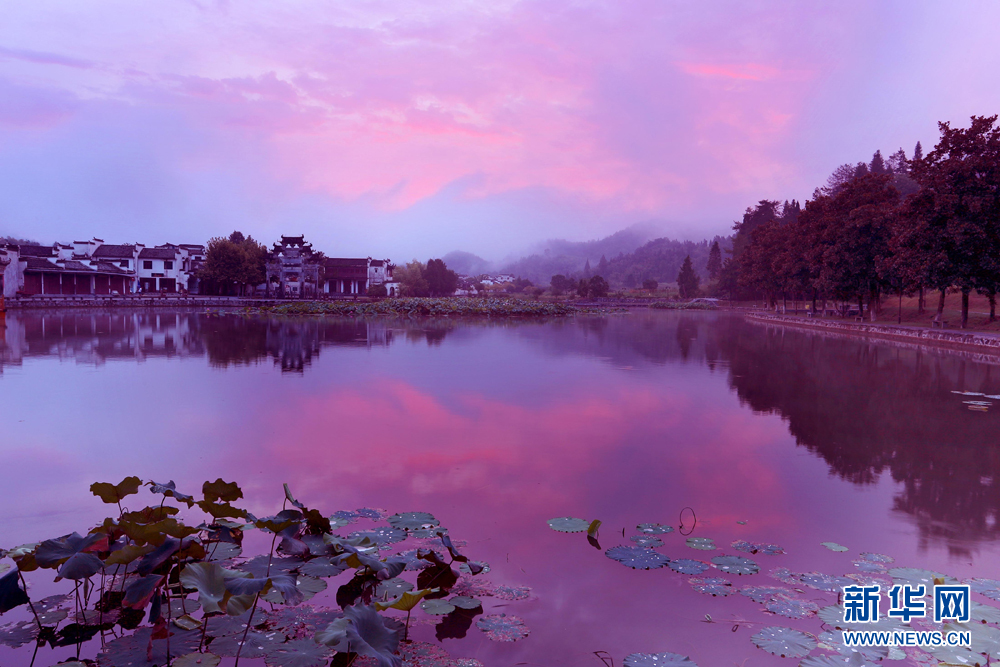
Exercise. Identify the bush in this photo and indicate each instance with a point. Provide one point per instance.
(598, 287)
(378, 291)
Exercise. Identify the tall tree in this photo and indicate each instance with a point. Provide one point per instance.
(878, 166)
(441, 281)
(918, 152)
(958, 207)
(765, 211)
(687, 280)
(714, 261)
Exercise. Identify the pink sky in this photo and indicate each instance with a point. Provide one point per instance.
(412, 129)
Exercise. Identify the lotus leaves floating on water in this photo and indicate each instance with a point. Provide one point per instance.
(688, 566)
(413, 521)
(647, 541)
(702, 543)
(658, 660)
(916, 577)
(784, 642)
(638, 558)
(833, 546)
(503, 628)
(753, 548)
(568, 524)
(714, 586)
(824, 582)
(654, 528)
(791, 607)
(988, 587)
(512, 592)
(736, 565)
(764, 593)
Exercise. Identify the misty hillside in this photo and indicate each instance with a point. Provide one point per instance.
(660, 259)
(467, 264)
(570, 257)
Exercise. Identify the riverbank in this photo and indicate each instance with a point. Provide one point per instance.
(442, 307)
(978, 342)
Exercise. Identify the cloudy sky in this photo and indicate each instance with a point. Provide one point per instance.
(415, 127)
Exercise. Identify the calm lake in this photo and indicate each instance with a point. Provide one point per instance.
(771, 436)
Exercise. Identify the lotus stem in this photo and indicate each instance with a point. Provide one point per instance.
(253, 609)
(31, 606)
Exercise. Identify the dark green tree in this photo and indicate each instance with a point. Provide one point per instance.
(598, 286)
(878, 166)
(714, 261)
(650, 284)
(441, 281)
(687, 280)
(582, 287)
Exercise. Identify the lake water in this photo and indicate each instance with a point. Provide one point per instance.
(772, 436)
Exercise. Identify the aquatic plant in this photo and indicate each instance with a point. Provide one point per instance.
(159, 589)
(427, 307)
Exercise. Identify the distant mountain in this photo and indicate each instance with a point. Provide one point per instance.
(660, 259)
(16, 241)
(467, 264)
(569, 257)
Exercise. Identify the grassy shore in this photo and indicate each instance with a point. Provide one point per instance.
(442, 307)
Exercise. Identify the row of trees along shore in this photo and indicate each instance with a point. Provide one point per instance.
(888, 227)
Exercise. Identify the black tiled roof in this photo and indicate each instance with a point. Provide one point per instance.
(39, 264)
(346, 261)
(158, 253)
(37, 251)
(115, 251)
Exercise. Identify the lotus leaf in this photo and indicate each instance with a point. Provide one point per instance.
(702, 543)
(503, 628)
(466, 602)
(825, 582)
(392, 588)
(915, 577)
(437, 607)
(115, 493)
(783, 574)
(141, 650)
(255, 646)
(654, 528)
(868, 566)
(370, 513)
(877, 558)
(221, 551)
(647, 541)
(474, 587)
(381, 535)
(413, 521)
(297, 653)
(197, 660)
(754, 548)
(512, 592)
(55, 552)
(714, 586)
(984, 613)
(18, 634)
(127, 553)
(208, 579)
(688, 566)
(219, 490)
(158, 556)
(833, 546)
(821, 660)
(281, 521)
(764, 593)
(784, 642)
(186, 622)
(833, 616)
(871, 579)
(140, 591)
(304, 589)
(835, 641)
(236, 624)
(637, 558)
(407, 600)
(343, 516)
(658, 660)
(568, 524)
(362, 631)
(252, 586)
(55, 616)
(736, 565)
(322, 567)
(474, 567)
(170, 491)
(791, 607)
(81, 566)
(258, 566)
(988, 587)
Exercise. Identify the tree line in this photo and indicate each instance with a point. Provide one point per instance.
(886, 227)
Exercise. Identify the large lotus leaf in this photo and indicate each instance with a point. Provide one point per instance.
(783, 574)
(220, 511)
(824, 582)
(791, 607)
(362, 631)
(988, 587)
(197, 660)
(833, 546)
(281, 521)
(252, 586)
(505, 592)
(437, 607)
(868, 566)
(262, 566)
(637, 558)
(985, 639)
(915, 577)
(220, 626)
(115, 493)
(503, 628)
(158, 556)
(220, 551)
(466, 602)
(877, 558)
(702, 543)
(208, 579)
(11, 593)
(413, 521)
(297, 653)
(568, 524)
(170, 491)
(714, 586)
(833, 615)
(736, 565)
(18, 634)
(654, 529)
(392, 588)
(136, 650)
(688, 566)
(406, 600)
(371, 513)
(756, 548)
(324, 566)
(55, 552)
(155, 533)
(784, 642)
(255, 646)
(984, 613)
(658, 660)
(302, 620)
(219, 490)
(381, 535)
(835, 640)
(764, 593)
(140, 591)
(474, 567)
(127, 554)
(81, 566)
(650, 541)
(820, 660)
(343, 517)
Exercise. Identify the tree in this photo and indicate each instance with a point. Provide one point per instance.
(561, 283)
(957, 211)
(839, 178)
(233, 264)
(714, 261)
(878, 166)
(441, 281)
(237, 237)
(918, 153)
(650, 284)
(586, 269)
(598, 287)
(582, 288)
(412, 280)
(687, 280)
(378, 290)
(755, 216)
(602, 266)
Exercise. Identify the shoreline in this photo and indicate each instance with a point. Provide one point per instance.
(978, 344)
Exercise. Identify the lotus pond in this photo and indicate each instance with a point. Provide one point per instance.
(650, 488)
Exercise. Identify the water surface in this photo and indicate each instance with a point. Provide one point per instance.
(495, 427)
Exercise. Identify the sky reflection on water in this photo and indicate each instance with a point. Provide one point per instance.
(497, 427)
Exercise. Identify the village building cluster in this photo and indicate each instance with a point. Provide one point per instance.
(293, 269)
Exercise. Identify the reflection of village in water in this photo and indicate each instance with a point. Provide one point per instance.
(225, 339)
